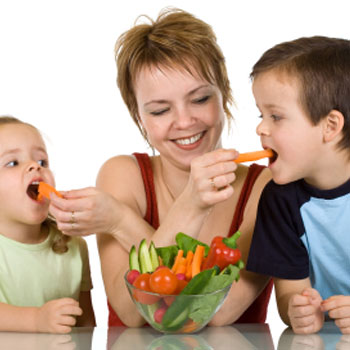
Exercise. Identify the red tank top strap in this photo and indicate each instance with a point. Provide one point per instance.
(145, 165)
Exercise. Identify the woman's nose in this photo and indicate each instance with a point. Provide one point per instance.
(184, 118)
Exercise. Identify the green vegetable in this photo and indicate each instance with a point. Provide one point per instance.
(133, 259)
(145, 258)
(168, 254)
(187, 243)
(154, 256)
(177, 313)
(202, 309)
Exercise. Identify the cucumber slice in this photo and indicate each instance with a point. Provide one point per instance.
(145, 258)
(133, 259)
(154, 256)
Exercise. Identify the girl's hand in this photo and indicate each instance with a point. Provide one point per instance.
(211, 177)
(58, 316)
(305, 312)
(338, 307)
(85, 211)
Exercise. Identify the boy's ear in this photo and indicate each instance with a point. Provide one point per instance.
(333, 125)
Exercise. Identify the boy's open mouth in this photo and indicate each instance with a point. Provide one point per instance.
(274, 157)
(32, 190)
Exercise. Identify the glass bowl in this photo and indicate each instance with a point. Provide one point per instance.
(177, 314)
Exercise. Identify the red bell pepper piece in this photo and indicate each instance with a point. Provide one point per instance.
(223, 252)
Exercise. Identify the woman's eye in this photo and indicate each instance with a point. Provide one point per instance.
(12, 163)
(202, 99)
(43, 163)
(159, 112)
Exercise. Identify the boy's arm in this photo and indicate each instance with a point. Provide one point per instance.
(87, 319)
(299, 305)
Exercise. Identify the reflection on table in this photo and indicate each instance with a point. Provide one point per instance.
(240, 336)
(79, 339)
(329, 338)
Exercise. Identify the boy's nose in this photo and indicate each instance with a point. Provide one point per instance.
(262, 128)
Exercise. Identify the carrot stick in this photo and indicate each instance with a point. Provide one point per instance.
(251, 156)
(178, 258)
(45, 189)
(189, 327)
(189, 259)
(197, 260)
(181, 268)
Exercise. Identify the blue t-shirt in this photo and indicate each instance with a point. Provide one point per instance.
(302, 232)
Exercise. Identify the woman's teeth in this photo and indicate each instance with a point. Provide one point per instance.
(189, 140)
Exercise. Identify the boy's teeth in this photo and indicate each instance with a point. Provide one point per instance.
(189, 140)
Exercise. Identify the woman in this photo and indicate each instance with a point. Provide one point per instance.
(173, 79)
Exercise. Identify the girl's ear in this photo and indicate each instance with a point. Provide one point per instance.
(333, 125)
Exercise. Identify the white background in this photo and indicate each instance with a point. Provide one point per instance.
(57, 72)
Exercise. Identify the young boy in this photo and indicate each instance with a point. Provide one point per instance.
(302, 238)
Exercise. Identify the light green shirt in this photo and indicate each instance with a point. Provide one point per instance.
(33, 274)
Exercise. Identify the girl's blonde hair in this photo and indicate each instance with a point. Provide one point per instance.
(60, 243)
(175, 39)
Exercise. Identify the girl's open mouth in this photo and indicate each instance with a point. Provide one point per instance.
(32, 190)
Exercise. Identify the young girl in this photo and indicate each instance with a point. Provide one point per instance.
(44, 276)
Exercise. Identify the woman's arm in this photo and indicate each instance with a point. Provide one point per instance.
(243, 293)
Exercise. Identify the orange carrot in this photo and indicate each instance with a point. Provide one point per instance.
(178, 258)
(251, 156)
(45, 189)
(189, 327)
(181, 267)
(189, 259)
(197, 260)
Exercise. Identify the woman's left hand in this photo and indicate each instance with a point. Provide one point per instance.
(85, 211)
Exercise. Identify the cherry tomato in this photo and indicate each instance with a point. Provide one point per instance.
(132, 275)
(159, 313)
(163, 281)
(142, 286)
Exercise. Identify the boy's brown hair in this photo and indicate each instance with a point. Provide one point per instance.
(322, 67)
(59, 244)
(175, 39)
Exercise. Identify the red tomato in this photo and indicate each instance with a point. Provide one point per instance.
(181, 284)
(142, 284)
(163, 281)
(159, 313)
(132, 275)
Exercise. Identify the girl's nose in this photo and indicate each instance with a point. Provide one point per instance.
(33, 166)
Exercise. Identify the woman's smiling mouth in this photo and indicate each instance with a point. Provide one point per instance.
(189, 140)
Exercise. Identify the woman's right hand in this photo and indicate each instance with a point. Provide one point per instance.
(85, 211)
(211, 177)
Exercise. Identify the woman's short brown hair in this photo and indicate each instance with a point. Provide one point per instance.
(322, 68)
(176, 38)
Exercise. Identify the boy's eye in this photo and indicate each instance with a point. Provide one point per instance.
(12, 163)
(275, 117)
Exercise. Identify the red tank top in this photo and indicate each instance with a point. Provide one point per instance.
(256, 313)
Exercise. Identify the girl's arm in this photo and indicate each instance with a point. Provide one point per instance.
(55, 316)
(87, 319)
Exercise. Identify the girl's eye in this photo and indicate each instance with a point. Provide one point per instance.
(202, 99)
(12, 164)
(43, 163)
(159, 112)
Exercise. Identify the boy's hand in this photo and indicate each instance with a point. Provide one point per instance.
(338, 307)
(58, 316)
(304, 311)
